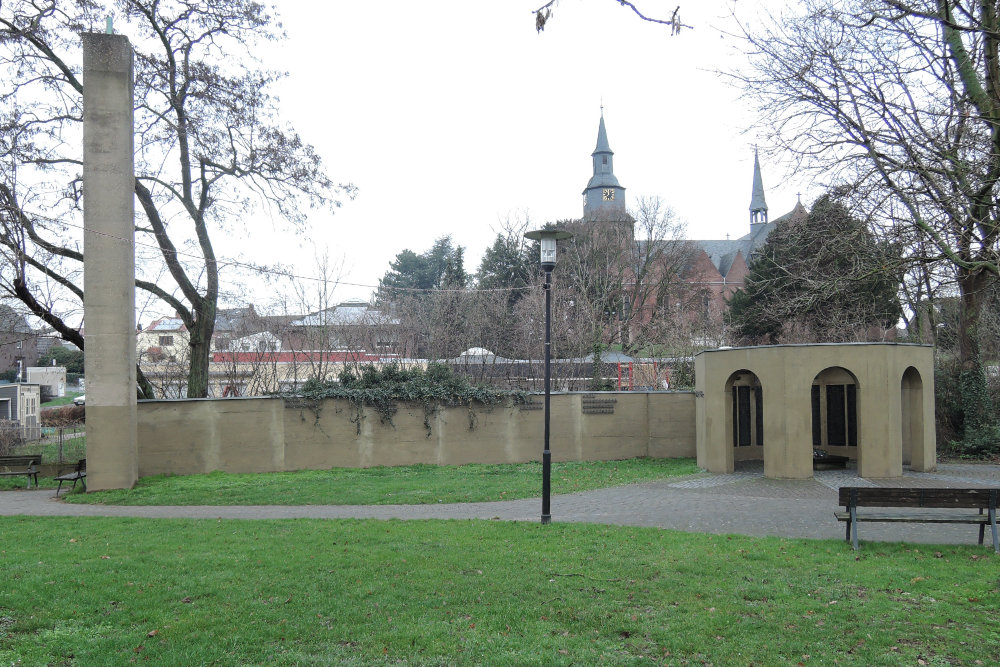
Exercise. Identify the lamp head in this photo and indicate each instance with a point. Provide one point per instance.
(547, 239)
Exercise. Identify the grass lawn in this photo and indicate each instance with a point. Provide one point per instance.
(103, 591)
(74, 449)
(401, 485)
(62, 400)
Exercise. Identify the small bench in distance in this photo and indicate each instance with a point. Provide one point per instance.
(78, 474)
(24, 464)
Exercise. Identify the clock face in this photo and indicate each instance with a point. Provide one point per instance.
(609, 195)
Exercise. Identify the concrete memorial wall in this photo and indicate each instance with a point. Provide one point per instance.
(188, 436)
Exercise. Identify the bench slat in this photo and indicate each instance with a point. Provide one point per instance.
(915, 518)
(915, 497)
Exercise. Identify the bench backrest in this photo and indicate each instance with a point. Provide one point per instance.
(917, 497)
(24, 461)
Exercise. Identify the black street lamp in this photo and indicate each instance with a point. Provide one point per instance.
(547, 238)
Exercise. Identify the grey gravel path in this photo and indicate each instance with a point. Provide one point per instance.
(744, 502)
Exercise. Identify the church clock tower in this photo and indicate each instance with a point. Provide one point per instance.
(603, 193)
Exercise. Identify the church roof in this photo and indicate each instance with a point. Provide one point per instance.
(796, 215)
(603, 180)
(723, 252)
(602, 139)
(757, 202)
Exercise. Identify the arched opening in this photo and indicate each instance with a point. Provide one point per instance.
(745, 415)
(835, 428)
(912, 413)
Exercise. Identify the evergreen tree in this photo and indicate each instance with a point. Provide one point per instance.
(443, 265)
(507, 265)
(63, 356)
(824, 279)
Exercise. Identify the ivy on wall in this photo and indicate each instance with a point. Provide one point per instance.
(380, 388)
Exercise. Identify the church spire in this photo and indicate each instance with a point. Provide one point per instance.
(602, 138)
(758, 207)
(603, 191)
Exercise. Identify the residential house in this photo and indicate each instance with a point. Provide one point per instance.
(18, 343)
(164, 340)
(51, 380)
(254, 354)
(233, 324)
(351, 325)
(20, 405)
(162, 352)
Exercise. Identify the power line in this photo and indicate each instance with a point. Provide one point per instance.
(280, 272)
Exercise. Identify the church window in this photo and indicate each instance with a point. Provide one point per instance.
(604, 159)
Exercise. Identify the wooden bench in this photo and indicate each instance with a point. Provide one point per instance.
(983, 500)
(78, 474)
(26, 464)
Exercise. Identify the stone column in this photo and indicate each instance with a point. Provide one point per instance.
(109, 261)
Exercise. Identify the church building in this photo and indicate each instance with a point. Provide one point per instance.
(719, 267)
(716, 268)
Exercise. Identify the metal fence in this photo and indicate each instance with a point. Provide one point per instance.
(59, 444)
(567, 375)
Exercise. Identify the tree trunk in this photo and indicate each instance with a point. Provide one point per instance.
(200, 343)
(975, 401)
(972, 286)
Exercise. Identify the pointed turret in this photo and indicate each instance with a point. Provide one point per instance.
(758, 207)
(603, 191)
(602, 139)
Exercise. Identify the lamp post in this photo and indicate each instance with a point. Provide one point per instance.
(547, 239)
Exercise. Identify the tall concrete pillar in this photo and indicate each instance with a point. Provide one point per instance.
(109, 261)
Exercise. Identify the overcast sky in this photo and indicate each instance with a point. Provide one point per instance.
(450, 117)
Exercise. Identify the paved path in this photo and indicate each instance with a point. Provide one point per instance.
(744, 502)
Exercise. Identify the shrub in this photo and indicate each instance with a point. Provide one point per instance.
(966, 410)
(10, 436)
(65, 415)
(380, 388)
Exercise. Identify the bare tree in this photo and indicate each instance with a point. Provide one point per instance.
(313, 336)
(620, 270)
(544, 14)
(210, 149)
(900, 101)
